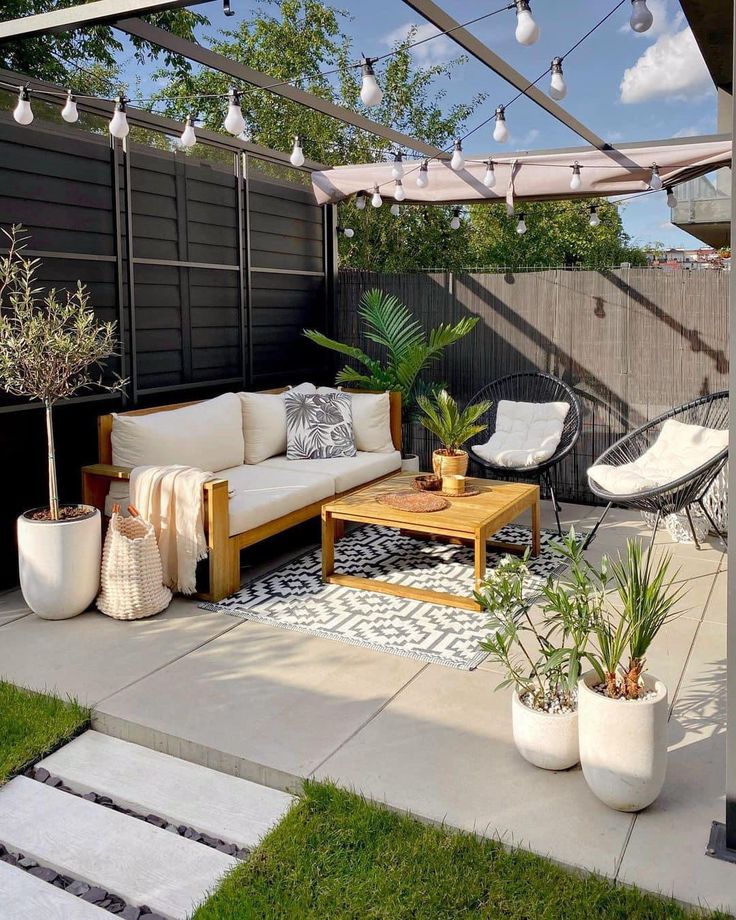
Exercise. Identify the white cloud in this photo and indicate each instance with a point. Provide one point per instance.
(435, 51)
(672, 67)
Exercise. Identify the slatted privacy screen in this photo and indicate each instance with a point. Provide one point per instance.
(633, 342)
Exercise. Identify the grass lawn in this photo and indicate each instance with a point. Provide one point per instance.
(32, 724)
(337, 856)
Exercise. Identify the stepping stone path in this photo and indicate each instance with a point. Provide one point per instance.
(106, 825)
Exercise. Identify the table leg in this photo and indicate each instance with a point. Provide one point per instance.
(536, 514)
(328, 545)
(480, 558)
(339, 526)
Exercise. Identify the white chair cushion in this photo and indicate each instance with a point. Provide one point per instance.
(371, 420)
(264, 425)
(259, 494)
(526, 434)
(346, 472)
(207, 435)
(680, 449)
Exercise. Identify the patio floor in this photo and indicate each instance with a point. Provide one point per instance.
(277, 706)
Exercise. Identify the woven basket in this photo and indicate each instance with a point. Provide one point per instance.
(132, 578)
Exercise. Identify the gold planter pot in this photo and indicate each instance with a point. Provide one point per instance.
(450, 464)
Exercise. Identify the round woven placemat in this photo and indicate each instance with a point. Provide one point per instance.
(466, 494)
(414, 501)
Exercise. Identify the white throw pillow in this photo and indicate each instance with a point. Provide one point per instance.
(207, 435)
(679, 450)
(371, 420)
(526, 434)
(264, 425)
(303, 388)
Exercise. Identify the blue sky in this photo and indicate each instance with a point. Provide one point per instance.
(622, 85)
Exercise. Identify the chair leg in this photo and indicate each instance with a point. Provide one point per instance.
(556, 507)
(591, 536)
(713, 523)
(654, 534)
(692, 527)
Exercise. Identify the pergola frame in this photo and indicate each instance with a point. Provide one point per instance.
(723, 840)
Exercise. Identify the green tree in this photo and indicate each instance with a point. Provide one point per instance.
(558, 233)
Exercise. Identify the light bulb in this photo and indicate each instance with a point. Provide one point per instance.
(671, 199)
(119, 126)
(458, 160)
(521, 225)
(397, 170)
(69, 112)
(297, 154)
(500, 132)
(423, 177)
(655, 181)
(234, 121)
(489, 180)
(395, 209)
(399, 193)
(641, 18)
(360, 201)
(594, 219)
(347, 232)
(22, 112)
(376, 200)
(188, 137)
(455, 222)
(527, 31)
(370, 91)
(557, 85)
(576, 181)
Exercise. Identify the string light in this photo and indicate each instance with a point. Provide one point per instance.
(576, 181)
(395, 210)
(22, 112)
(376, 200)
(69, 112)
(297, 154)
(641, 16)
(370, 91)
(527, 31)
(360, 201)
(458, 160)
(119, 126)
(521, 224)
(455, 222)
(594, 218)
(655, 181)
(397, 171)
(489, 179)
(671, 198)
(501, 132)
(399, 193)
(188, 137)
(557, 85)
(423, 177)
(234, 121)
(347, 232)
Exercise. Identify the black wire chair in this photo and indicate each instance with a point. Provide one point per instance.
(673, 497)
(533, 387)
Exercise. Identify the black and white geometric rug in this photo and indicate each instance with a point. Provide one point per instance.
(294, 597)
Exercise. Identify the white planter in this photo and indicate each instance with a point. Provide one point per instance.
(547, 740)
(59, 564)
(623, 744)
(410, 463)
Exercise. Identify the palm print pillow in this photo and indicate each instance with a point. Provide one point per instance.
(319, 426)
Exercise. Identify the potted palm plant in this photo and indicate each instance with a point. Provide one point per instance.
(453, 426)
(389, 327)
(623, 710)
(50, 346)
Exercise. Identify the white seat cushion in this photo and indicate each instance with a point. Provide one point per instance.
(259, 494)
(207, 435)
(346, 472)
(680, 449)
(526, 434)
(264, 425)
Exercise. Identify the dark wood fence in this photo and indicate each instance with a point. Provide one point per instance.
(633, 342)
(211, 270)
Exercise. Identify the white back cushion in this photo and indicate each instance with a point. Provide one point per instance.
(264, 425)
(207, 435)
(371, 420)
(679, 450)
(526, 433)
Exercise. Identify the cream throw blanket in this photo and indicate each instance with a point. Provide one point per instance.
(171, 498)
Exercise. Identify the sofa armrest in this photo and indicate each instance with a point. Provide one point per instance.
(96, 479)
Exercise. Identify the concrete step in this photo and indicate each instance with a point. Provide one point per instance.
(226, 807)
(25, 897)
(135, 861)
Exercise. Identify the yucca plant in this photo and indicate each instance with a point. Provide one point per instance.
(451, 424)
(409, 350)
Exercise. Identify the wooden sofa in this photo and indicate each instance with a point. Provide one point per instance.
(223, 563)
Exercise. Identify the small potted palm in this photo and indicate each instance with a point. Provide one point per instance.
(453, 426)
(51, 346)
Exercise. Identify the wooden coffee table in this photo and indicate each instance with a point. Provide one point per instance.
(468, 520)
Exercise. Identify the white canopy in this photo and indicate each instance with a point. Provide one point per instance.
(532, 176)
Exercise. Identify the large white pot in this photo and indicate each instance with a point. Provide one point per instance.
(623, 744)
(410, 463)
(59, 564)
(547, 740)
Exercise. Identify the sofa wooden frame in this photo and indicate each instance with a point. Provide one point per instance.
(223, 550)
